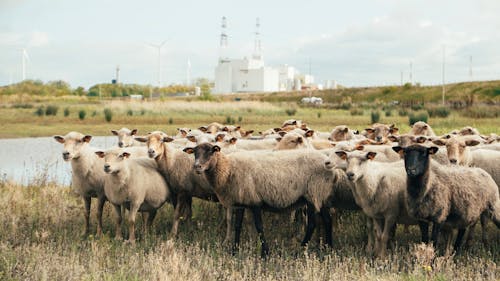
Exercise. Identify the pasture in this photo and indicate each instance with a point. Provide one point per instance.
(41, 226)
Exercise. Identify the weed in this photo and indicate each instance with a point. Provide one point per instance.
(81, 114)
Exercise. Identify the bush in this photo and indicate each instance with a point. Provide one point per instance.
(403, 112)
(94, 113)
(375, 116)
(170, 121)
(130, 112)
(108, 114)
(40, 111)
(319, 114)
(51, 110)
(240, 118)
(388, 113)
(478, 112)
(417, 106)
(356, 111)
(441, 112)
(66, 112)
(345, 106)
(81, 114)
(22, 105)
(291, 111)
(418, 116)
(230, 120)
(143, 111)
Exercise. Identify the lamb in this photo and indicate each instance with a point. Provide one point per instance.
(421, 128)
(380, 132)
(135, 184)
(126, 137)
(176, 167)
(261, 180)
(379, 188)
(451, 196)
(87, 174)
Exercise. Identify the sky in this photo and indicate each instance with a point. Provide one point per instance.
(357, 43)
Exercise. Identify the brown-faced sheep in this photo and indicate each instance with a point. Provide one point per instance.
(134, 184)
(87, 179)
(421, 128)
(452, 196)
(380, 132)
(342, 133)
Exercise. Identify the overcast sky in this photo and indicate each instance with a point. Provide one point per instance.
(357, 43)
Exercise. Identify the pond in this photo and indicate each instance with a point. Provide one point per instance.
(37, 161)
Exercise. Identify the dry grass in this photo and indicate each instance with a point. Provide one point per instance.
(40, 239)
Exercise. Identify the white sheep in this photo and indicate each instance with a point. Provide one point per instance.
(87, 178)
(126, 137)
(134, 184)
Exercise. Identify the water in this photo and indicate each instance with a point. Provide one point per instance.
(38, 160)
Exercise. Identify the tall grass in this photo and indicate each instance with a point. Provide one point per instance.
(41, 240)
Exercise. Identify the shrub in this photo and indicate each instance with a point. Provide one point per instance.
(40, 111)
(403, 112)
(440, 111)
(291, 111)
(51, 110)
(22, 105)
(81, 114)
(143, 111)
(319, 114)
(108, 114)
(356, 111)
(388, 113)
(130, 112)
(240, 118)
(94, 113)
(345, 106)
(66, 112)
(417, 106)
(170, 121)
(230, 120)
(482, 112)
(418, 116)
(375, 116)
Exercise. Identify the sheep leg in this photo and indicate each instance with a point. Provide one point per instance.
(378, 225)
(310, 225)
(389, 225)
(424, 231)
(88, 201)
(118, 215)
(181, 208)
(370, 231)
(436, 228)
(470, 235)
(100, 207)
(257, 215)
(239, 213)
(132, 213)
(229, 224)
(458, 241)
(151, 218)
(484, 236)
(328, 222)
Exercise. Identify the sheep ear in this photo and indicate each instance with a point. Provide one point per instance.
(432, 149)
(309, 133)
(125, 155)
(399, 150)
(421, 139)
(134, 132)
(237, 128)
(100, 154)
(167, 139)
(247, 133)
(59, 139)
(87, 138)
(333, 144)
(345, 130)
(233, 140)
(356, 132)
(371, 155)
(369, 130)
(203, 129)
(279, 139)
(447, 136)
(219, 137)
(393, 138)
(188, 150)
(282, 133)
(359, 147)
(439, 142)
(141, 139)
(393, 130)
(114, 132)
(215, 148)
(191, 138)
(225, 129)
(341, 154)
(330, 138)
(277, 129)
(472, 142)
(425, 126)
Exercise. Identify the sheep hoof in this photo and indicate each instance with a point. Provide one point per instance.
(129, 242)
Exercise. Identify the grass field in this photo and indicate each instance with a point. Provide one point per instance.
(40, 239)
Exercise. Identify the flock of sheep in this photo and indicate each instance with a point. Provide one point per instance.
(449, 182)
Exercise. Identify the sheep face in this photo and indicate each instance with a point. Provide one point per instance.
(456, 148)
(291, 140)
(467, 131)
(182, 132)
(356, 163)
(420, 128)
(407, 140)
(340, 133)
(125, 136)
(380, 132)
(417, 158)
(203, 156)
(73, 143)
(154, 142)
(113, 160)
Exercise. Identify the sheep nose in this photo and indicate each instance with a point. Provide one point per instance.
(350, 175)
(106, 167)
(120, 144)
(378, 138)
(453, 161)
(328, 163)
(151, 151)
(412, 171)
(65, 155)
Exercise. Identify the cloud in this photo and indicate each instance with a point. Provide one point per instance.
(30, 39)
(38, 39)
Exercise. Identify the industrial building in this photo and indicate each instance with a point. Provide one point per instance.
(252, 75)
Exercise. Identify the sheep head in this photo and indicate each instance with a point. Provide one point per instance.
(154, 142)
(125, 136)
(204, 155)
(356, 163)
(416, 157)
(113, 160)
(73, 143)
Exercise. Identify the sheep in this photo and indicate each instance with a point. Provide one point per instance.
(421, 128)
(232, 130)
(380, 132)
(342, 133)
(182, 132)
(211, 128)
(184, 183)
(451, 196)
(292, 140)
(258, 180)
(267, 143)
(467, 131)
(379, 188)
(457, 148)
(135, 184)
(126, 137)
(87, 174)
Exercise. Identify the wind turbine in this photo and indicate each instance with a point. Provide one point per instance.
(25, 59)
(159, 58)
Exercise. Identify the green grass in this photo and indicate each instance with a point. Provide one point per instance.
(40, 239)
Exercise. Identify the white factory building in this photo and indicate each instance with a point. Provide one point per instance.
(252, 75)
